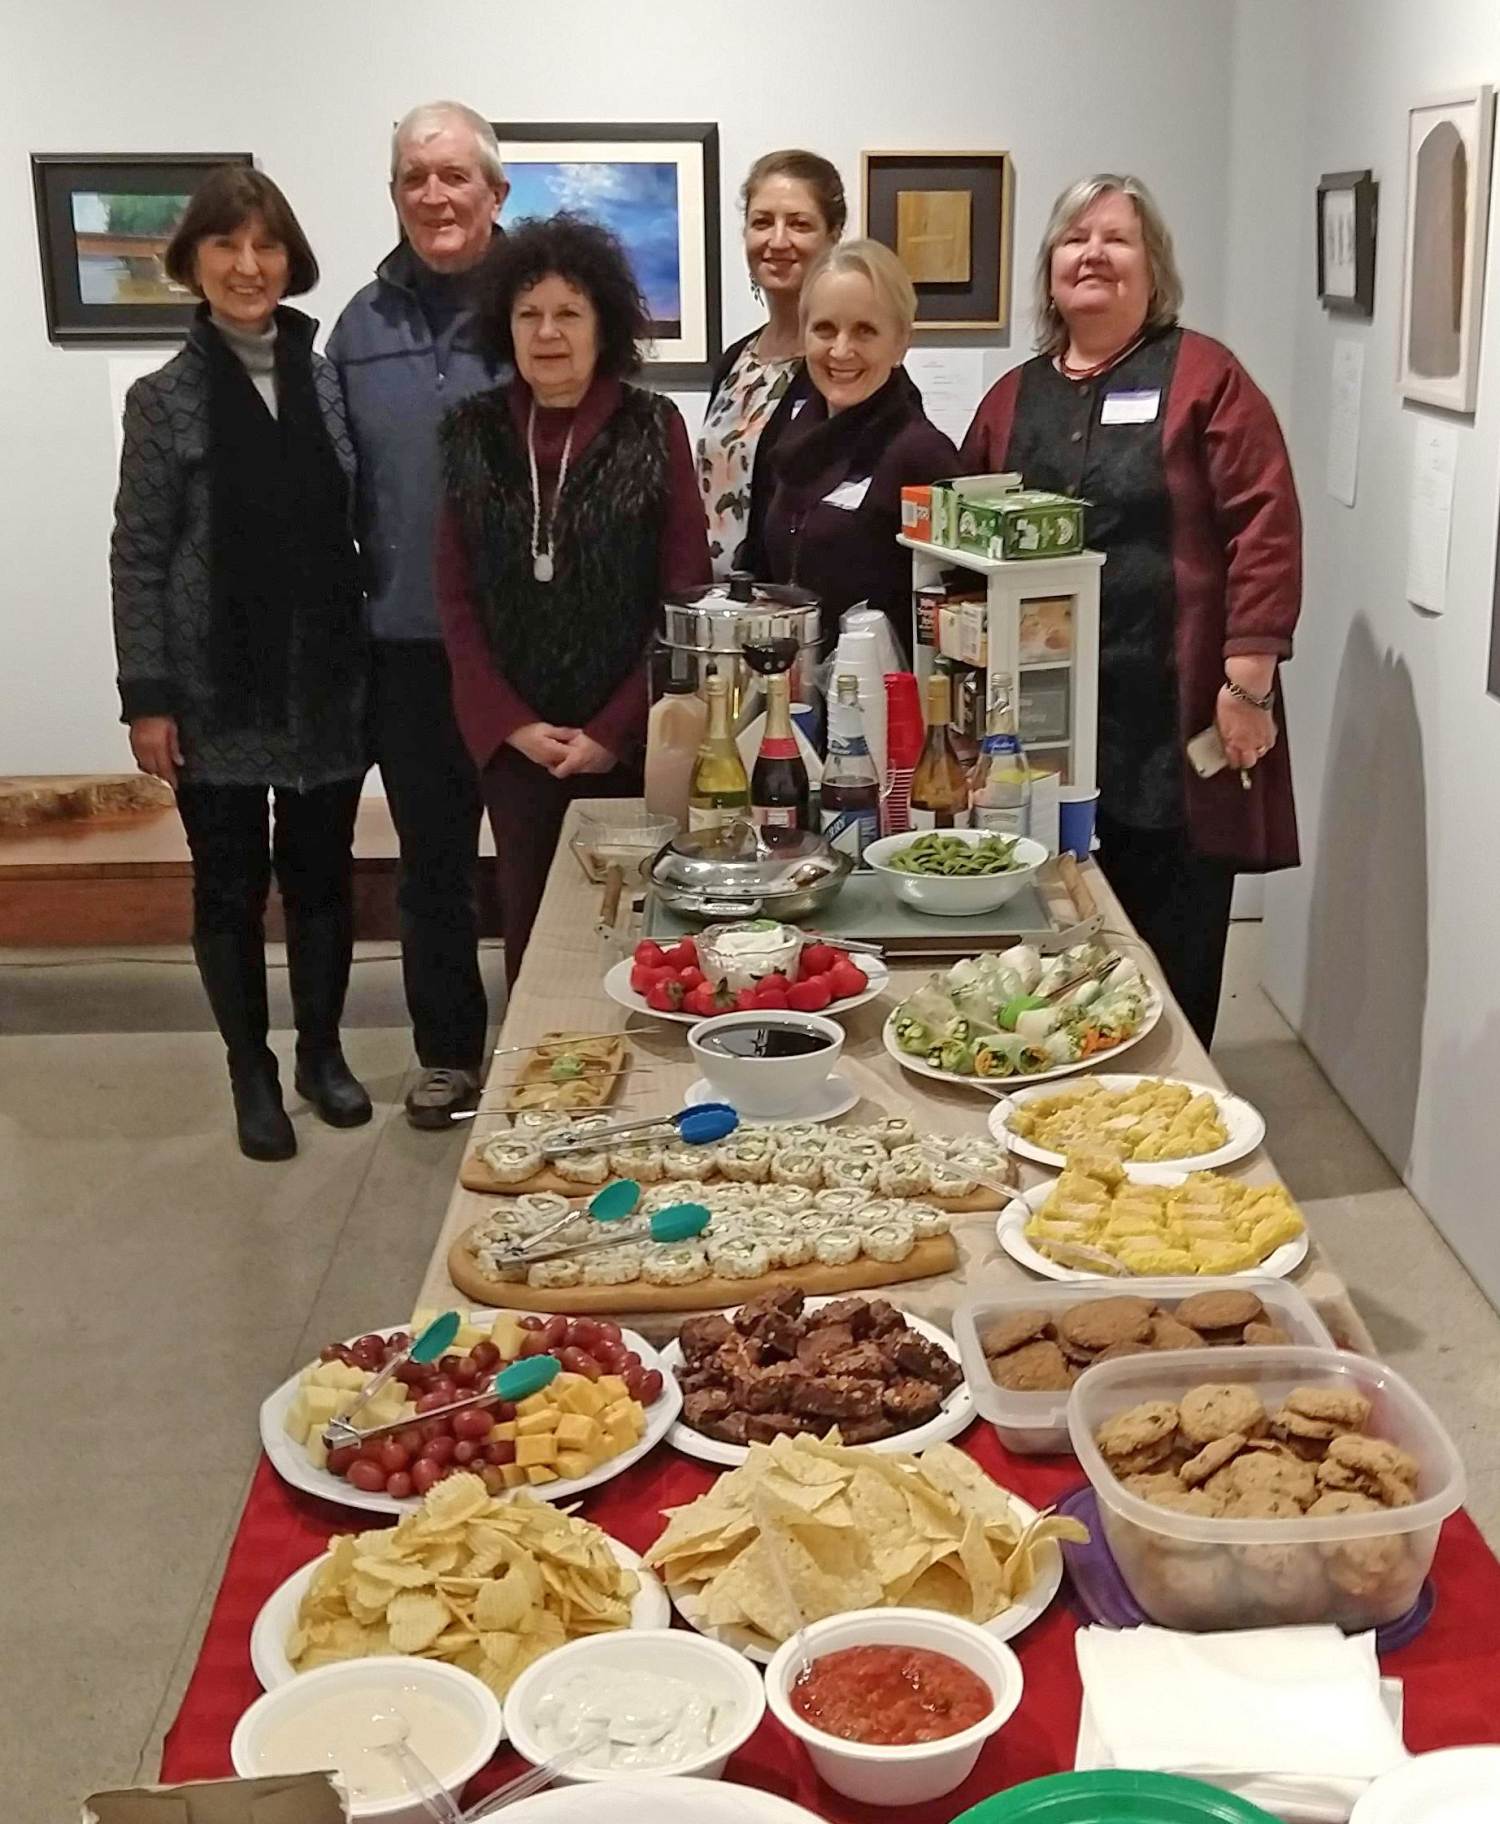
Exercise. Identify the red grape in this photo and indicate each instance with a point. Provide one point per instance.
(424, 1472)
(340, 1459)
(434, 1428)
(394, 1456)
(500, 1450)
(465, 1451)
(609, 1356)
(556, 1331)
(579, 1361)
(444, 1384)
(531, 1322)
(635, 1379)
(430, 1402)
(411, 1374)
(411, 1439)
(583, 1333)
(465, 1373)
(368, 1476)
(371, 1449)
(330, 1352)
(651, 1387)
(473, 1423)
(503, 1410)
(398, 1340)
(630, 1360)
(485, 1356)
(609, 1330)
(447, 1363)
(533, 1343)
(439, 1450)
(399, 1485)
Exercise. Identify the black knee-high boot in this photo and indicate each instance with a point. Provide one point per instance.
(318, 951)
(233, 967)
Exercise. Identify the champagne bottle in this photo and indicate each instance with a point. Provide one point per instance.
(778, 785)
(851, 788)
(1000, 796)
(719, 790)
(939, 786)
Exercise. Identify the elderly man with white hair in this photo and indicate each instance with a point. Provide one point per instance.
(405, 351)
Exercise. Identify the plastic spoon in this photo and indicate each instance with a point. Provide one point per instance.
(700, 1126)
(517, 1382)
(388, 1734)
(425, 1348)
(679, 1222)
(615, 1202)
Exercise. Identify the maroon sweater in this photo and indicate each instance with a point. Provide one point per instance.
(489, 709)
(1197, 512)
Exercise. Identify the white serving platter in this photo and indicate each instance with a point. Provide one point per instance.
(1244, 1123)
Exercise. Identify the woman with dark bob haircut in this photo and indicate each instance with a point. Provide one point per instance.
(571, 509)
(237, 616)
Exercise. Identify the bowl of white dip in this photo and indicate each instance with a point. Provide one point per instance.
(335, 1719)
(650, 1701)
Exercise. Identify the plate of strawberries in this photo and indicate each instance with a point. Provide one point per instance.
(668, 982)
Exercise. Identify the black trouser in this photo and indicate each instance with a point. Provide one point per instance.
(433, 790)
(235, 849)
(1179, 902)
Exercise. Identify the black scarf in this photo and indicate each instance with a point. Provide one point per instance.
(864, 431)
(283, 576)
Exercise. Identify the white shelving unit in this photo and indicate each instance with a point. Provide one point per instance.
(1009, 587)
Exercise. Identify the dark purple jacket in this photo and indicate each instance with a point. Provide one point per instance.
(836, 510)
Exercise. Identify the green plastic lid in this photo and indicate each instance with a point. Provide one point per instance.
(1114, 1797)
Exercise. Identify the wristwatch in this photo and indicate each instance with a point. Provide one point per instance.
(1246, 696)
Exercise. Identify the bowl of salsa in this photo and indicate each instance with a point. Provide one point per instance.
(895, 1704)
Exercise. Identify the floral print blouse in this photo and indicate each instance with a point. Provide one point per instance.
(732, 426)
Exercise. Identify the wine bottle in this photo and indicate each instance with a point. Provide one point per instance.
(939, 786)
(1000, 794)
(778, 785)
(719, 790)
(851, 787)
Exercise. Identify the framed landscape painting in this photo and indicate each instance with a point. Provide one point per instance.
(103, 223)
(1447, 218)
(657, 187)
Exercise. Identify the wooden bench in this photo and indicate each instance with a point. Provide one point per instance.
(128, 880)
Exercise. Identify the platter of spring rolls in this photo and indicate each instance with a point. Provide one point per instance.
(1018, 1017)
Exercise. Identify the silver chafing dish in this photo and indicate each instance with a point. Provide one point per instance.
(736, 872)
(717, 622)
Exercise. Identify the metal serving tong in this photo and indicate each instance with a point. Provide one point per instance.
(680, 1222)
(517, 1382)
(699, 1126)
(426, 1347)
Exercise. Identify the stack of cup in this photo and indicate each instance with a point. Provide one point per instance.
(905, 733)
(871, 620)
(858, 656)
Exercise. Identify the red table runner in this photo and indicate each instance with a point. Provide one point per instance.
(1451, 1671)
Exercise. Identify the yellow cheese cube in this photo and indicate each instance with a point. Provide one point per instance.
(539, 1472)
(574, 1463)
(507, 1428)
(317, 1450)
(580, 1395)
(298, 1420)
(536, 1450)
(537, 1424)
(576, 1432)
(466, 1336)
(512, 1475)
(615, 1410)
(618, 1437)
(506, 1334)
(325, 1403)
(534, 1402)
(611, 1388)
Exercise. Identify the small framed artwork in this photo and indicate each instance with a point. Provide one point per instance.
(1346, 242)
(657, 187)
(947, 218)
(1448, 151)
(103, 223)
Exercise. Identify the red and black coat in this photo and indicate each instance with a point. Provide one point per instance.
(1192, 501)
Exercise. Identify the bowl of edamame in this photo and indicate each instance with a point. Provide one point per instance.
(955, 873)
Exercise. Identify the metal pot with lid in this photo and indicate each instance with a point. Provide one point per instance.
(721, 619)
(736, 872)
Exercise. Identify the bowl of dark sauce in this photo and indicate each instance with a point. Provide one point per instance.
(767, 1063)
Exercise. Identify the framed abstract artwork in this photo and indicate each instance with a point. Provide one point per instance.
(947, 217)
(1346, 242)
(103, 223)
(1448, 150)
(657, 187)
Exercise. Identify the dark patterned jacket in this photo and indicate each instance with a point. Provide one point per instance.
(159, 580)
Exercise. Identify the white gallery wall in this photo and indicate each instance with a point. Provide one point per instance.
(312, 86)
(1381, 948)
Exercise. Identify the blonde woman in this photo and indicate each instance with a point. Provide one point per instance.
(1192, 500)
(833, 517)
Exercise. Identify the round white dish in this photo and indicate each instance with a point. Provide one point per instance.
(1244, 1122)
(889, 1773)
(381, 1677)
(685, 1801)
(670, 1652)
(291, 1462)
(1011, 1222)
(650, 1609)
(831, 1099)
(758, 1084)
(953, 895)
(957, 1413)
(1005, 1626)
(617, 987)
(922, 1068)
(1448, 1786)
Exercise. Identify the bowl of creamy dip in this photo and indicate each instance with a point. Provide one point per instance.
(658, 1701)
(739, 955)
(342, 1718)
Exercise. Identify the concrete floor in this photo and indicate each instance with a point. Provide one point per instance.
(154, 1284)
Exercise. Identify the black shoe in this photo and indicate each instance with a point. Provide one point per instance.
(438, 1095)
(326, 1081)
(264, 1130)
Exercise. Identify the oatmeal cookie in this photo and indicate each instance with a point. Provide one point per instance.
(1215, 1409)
(1213, 1311)
(1169, 1332)
(1371, 1466)
(1211, 1459)
(1261, 1504)
(1116, 1350)
(1009, 1332)
(1333, 1503)
(1036, 1367)
(1266, 1336)
(1139, 1438)
(1342, 1407)
(1152, 1483)
(1262, 1472)
(1103, 1322)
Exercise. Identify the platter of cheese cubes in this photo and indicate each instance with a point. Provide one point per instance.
(1094, 1222)
(600, 1414)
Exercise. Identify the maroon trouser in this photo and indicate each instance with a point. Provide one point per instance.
(526, 806)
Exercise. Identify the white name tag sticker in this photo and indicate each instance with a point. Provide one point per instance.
(797, 405)
(1130, 408)
(848, 494)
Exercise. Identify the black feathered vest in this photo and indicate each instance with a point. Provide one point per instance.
(566, 645)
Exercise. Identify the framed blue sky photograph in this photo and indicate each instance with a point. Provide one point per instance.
(657, 187)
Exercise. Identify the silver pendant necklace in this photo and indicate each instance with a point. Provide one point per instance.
(542, 567)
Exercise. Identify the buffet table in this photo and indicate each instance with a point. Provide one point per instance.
(1451, 1670)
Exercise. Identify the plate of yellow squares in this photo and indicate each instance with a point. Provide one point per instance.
(485, 1584)
(1094, 1222)
(1142, 1121)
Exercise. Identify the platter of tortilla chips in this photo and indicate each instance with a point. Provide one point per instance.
(486, 1585)
(856, 1529)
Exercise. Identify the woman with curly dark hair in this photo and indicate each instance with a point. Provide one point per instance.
(571, 508)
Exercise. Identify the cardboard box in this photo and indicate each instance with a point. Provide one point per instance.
(986, 487)
(947, 632)
(943, 506)
(294, 1798)
(916, 513)
(1025, 524)
(973, 633)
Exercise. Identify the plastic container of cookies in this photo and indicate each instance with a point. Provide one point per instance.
(1200, 1572)
(1033, 1424)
